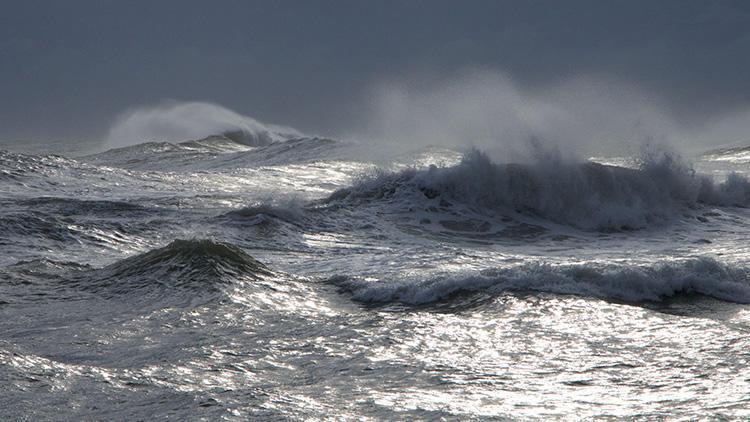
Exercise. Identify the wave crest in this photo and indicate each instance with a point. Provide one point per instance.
(198, 265)
(192, 120)
(703, 276)
(586, 195)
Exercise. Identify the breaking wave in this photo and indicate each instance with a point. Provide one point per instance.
(627, 283)
(585, 195)
(193, 120)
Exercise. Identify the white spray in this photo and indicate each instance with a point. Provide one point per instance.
(175, 121)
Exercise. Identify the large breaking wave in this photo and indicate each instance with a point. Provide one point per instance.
(586, 195)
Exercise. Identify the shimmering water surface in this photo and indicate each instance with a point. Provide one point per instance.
(214, 280)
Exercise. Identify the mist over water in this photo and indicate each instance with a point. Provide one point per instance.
(180, 121)
(482, 109)
(574, 119)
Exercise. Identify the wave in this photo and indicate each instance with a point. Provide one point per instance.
(737, 155)
(40, 279)
(38, 228)
(24, 225)
(68, 206)
(166, 155)
(585, 195)
(266, 214)
(186, 265)
(17, 166)
(218, 152)
(59, 223)
(292, 151)
(185, 271)
(628, 283)
(193, 120)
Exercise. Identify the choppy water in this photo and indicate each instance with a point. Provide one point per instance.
(213, 280)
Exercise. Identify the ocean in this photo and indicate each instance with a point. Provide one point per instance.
(299, 278)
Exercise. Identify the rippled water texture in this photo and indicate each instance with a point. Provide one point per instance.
(294, 279)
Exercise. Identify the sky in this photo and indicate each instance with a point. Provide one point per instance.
(69, 68)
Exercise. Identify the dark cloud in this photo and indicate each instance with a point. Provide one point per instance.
(67, 68)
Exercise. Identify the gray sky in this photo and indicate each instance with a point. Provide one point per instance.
(68, 68)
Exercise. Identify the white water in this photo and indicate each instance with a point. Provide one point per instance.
(467, 290)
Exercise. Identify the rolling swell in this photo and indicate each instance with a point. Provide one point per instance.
(183, 265)
(629, 283)
(585, 195)
(39, 280)
(218, 152)
(73, 206)
(265, 214)
(15, 167)
(57, 223)
(37, 225)
(166, 155)
(297, 150)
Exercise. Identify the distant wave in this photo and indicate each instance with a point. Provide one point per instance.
(215, 153)
(263, 213)
(624, 282)
(289, 152)
(16, 166)
(66, 206)
(175, 121)
(585, 195)
(165, 156)
(736, 155)
(48, 222)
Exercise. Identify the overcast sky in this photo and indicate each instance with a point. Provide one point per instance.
(67, 68)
